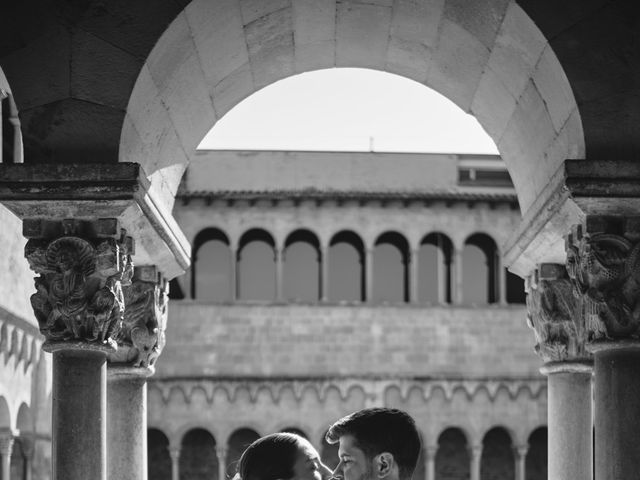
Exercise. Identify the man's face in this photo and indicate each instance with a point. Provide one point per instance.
(354, 465)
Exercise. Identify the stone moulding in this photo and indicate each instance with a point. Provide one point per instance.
(99, 190)
(79, 284)
(142, 336)
(554, 314)
(374, 390)
(603, 262)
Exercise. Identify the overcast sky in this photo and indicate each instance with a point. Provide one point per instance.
(349, 109)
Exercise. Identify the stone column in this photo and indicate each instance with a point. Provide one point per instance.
(413, 277)
(475, 455)
(221, 453)
(430, 452)
(368, 275)
(27, 442)
(17, 135)
(140, 342)
(502, 281)
(6, 446)
(174, 453)
(233, 280)
(603, 262)
(555, 315)
(520, 456)
(279, 258)
(457, 277)
(79, 305)
(324, 273)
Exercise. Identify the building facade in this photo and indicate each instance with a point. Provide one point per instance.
(303, 305)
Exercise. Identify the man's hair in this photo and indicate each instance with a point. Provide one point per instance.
(378, 430)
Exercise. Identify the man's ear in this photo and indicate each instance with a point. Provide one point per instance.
(385, 465)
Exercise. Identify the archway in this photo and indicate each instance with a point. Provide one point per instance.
(434, 268)
(198, 459)
(211, 269)
(452, 456)
(158, 458)
(497, 455)
(301, 266)
(238, 442)
(390, 268)
(494, 63)
(346, 267)
(256, 266)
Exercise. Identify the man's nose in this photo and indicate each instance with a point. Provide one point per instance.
(337, 473)
(325, 471)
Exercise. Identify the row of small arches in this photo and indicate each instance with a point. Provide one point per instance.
(22, 448)
(346, 270)
(199, 456)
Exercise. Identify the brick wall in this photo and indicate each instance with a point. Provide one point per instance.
(312, 340)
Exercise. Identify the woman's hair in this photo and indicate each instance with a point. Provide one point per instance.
(270, 458)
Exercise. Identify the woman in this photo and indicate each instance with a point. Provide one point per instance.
(281, 456)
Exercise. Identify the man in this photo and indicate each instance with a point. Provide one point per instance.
(376, 443)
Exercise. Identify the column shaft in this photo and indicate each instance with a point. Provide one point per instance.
(368, 273)
(502, 281)
(233, 281)
(570, 452)
(127, 432)
(79, 445)
(617, 413)
(175, 463)
(279, 274)
(457, 277)
(222, 463)
(430, 462)
(476, 457)
(6, 445)
(413, 278)
(324, 274)
(521, 458)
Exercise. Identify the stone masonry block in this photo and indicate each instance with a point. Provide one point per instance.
(417, 21)
(233, 89)
(457, 65)
(493, 105)
(408, 59)
(517, 50)
(218, 36)
(362, 34)
(254, 9)
(315, 56)
(314, 21)
(481, 18)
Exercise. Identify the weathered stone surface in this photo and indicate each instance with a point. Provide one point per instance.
(255, 9)
(481, 18)
(417, 21)
(493, 105)
(362, 34)
(555, 315)
(603, 261)
(232, 89)
(82, 267)
(142, 337)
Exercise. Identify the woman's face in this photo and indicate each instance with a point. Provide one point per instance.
(308, 465)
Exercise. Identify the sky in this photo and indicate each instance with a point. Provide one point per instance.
(348, 109)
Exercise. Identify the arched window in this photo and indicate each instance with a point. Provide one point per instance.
(346, 270)
(301, 269)
(238, 442)
(479, 270)
(390, 272)
(452, 456)
(256, 266)
(434, 269)
(198, 459)
(158, 458)
(211, 279)
(536, 462)
(497, 455)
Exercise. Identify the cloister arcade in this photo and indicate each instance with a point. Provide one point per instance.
(296, 269)
(113, 99)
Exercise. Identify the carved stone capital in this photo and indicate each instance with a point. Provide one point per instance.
(603, 262)
(142, 337)
(82, 267)
(554, 314)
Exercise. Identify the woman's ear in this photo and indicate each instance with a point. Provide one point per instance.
(385, 465)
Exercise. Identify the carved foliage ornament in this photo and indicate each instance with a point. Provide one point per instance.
(605, 273)
(554, 315)
(79, 287)
(142, 337)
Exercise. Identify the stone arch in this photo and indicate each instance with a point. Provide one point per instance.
(536, 460)
(5, 414)
(256, 271)
(351, 262)
(391, 253)
(497, 459)
(198, 457)
(452, 454)
(302, 272)
(158, 457)
(435, 256)
(210, 278)
(490, 59)
(24, 422)
(237, 442)
(480, 269)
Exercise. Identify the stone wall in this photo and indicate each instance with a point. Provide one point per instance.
(315, 340)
